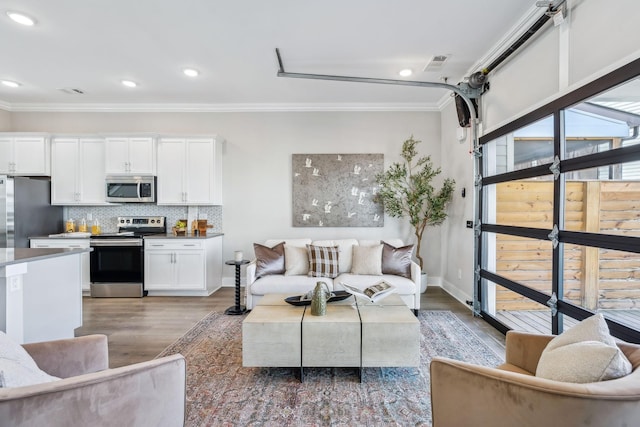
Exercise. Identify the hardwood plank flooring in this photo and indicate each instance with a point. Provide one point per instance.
(140, 328)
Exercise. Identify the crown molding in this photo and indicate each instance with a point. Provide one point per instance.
(221, 108)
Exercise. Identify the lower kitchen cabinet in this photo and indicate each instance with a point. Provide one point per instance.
(189, 266)
(69, 243)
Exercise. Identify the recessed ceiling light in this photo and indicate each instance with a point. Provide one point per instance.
(21, 18)
(191, 72)
(129, 83)
(10, 83)
(406, 72)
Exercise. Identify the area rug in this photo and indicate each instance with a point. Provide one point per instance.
(220, 392)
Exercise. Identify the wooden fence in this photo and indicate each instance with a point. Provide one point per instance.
(593, 278)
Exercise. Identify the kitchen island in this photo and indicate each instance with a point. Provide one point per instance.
(40, 293)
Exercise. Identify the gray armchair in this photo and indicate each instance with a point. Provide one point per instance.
(143, 394)
(463, 394)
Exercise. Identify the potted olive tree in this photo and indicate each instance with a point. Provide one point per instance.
(406, 189)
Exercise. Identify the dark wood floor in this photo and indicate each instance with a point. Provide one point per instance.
(140, 328)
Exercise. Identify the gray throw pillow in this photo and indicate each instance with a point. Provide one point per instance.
(269, 260)
(397, 261)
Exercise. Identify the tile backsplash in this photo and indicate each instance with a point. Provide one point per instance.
(107, 214)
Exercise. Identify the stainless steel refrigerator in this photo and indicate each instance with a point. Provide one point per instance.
(26, 211)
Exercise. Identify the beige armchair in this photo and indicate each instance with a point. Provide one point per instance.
(510, 395)
(89, 394)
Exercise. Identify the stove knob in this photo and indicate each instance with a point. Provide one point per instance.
(152, 221)
(128, 221)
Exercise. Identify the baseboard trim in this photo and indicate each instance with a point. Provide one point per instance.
(455, 292)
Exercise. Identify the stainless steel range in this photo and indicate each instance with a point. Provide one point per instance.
(117, 259)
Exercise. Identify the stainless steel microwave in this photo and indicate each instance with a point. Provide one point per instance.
(131, 189)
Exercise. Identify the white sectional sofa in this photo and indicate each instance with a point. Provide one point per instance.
(353, 269)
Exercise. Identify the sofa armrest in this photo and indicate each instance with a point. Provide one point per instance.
(493, 397)
(524, 349)
(143, 394)
(416, 277)
(71, 357)
(251, 272)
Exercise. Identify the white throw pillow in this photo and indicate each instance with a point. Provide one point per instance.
(583, 354)
(17, 368)
(367, 260)
(296, 260)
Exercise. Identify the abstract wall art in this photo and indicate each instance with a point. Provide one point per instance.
(336, 190)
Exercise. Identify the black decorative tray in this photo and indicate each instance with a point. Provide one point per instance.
(335, 296)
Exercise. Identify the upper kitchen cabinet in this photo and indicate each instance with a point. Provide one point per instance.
(78, 171)
(130, 156)
(190, 171)
(27, 155)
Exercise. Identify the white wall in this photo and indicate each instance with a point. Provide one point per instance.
(257, 161)
(5, 121)
(597, 37)
(457, 240)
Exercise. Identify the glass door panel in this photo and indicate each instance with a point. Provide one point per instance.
(518, 312)
(605, 281)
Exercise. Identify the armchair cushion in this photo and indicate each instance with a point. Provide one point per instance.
(583, 354)
(17, 367)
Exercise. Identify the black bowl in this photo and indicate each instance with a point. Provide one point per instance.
(335, 296)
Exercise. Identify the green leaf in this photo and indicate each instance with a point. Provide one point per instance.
(406, 190)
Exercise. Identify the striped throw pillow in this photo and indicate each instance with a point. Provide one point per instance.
(323, 261)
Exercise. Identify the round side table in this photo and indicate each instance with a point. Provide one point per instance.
(237, 309)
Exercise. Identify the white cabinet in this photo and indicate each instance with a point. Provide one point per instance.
(24, 155)
(70, 243)
(174, 264)
(182, 266)
(130, 156)
(190, 171)
(78, 171)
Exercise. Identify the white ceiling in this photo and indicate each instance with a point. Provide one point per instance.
(93, 44)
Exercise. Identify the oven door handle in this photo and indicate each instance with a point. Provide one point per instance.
(115, 242)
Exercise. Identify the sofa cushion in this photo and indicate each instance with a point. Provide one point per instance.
(367, 260)
(403, 285)
(269, 260)
(397, 260)
(345, 246)
(296, 260)
(323, 261)
(17, 368)
(291, 285)
(583, 354)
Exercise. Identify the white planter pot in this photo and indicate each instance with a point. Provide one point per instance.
(423, 282)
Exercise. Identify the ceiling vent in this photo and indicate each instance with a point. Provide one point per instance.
(435, 63)
(72, 91)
